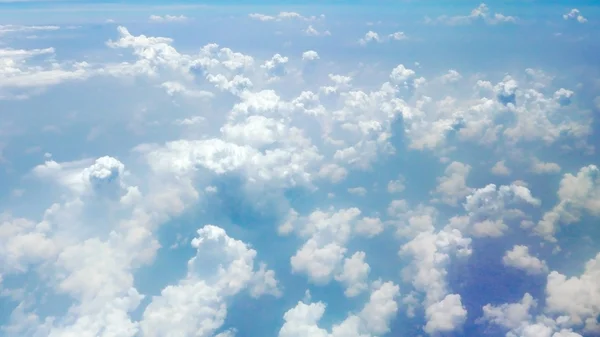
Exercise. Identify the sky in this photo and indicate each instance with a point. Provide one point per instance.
(293, 169)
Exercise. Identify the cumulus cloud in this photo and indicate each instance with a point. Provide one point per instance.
(310, 55)
(273, 143)
(519, 257)
(452, 187)
(373, 37)
(574, 14)
(577, 296)
(373, 320)
(577, 194)
(500, 169)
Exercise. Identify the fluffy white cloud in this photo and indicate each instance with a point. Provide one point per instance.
(517, 319)
(222, 132)
(519, 257)
(577, 194)
(445, 315)
(372, 320)
(197, 304)
(374, 37)
(490, 208)
(452, 187)
(574, 14)
(396, 186)
(431, 253)
(577, 297)
(354, 274)
(310, 55)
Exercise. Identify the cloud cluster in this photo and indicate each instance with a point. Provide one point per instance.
(254, 134)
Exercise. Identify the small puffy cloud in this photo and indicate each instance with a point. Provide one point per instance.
(369, 226)
(563, 96)
(310, 55)
(374, 37)
(401, 74)
(452, 187)
(518, 257)
(500, 169)
(396, 186)
(312, 31)
(397, 36)
(358, 191)
(168, 18)
(275, 67)
(540, 167)
(446, 315)
(575, 14)
(370, 36)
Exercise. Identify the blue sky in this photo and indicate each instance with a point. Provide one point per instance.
(339, 169)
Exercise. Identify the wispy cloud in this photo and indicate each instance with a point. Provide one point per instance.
(481, 13)
(168, 18)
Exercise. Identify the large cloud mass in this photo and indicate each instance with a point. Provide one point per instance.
(277, 173)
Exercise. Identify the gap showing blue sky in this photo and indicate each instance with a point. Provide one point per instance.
(294, 169)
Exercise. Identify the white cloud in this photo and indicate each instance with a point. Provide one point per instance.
(574, 14)
(576, 194)
(491, 207)
(168, 18)
(446, 315)
(7, 29)
(359, 191)
(510, 316)
(519, 257)
(310, 55)
(541, 167)
(517, 318)
(312, 31)
(282, 16)
(197, 305)
(452, 187)
(354, 274)
(396, 186)
(279, 127)
(481, 12)
(577, 297)
(500, 169)
(431, 253)
(373, 320)
(374, 37)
